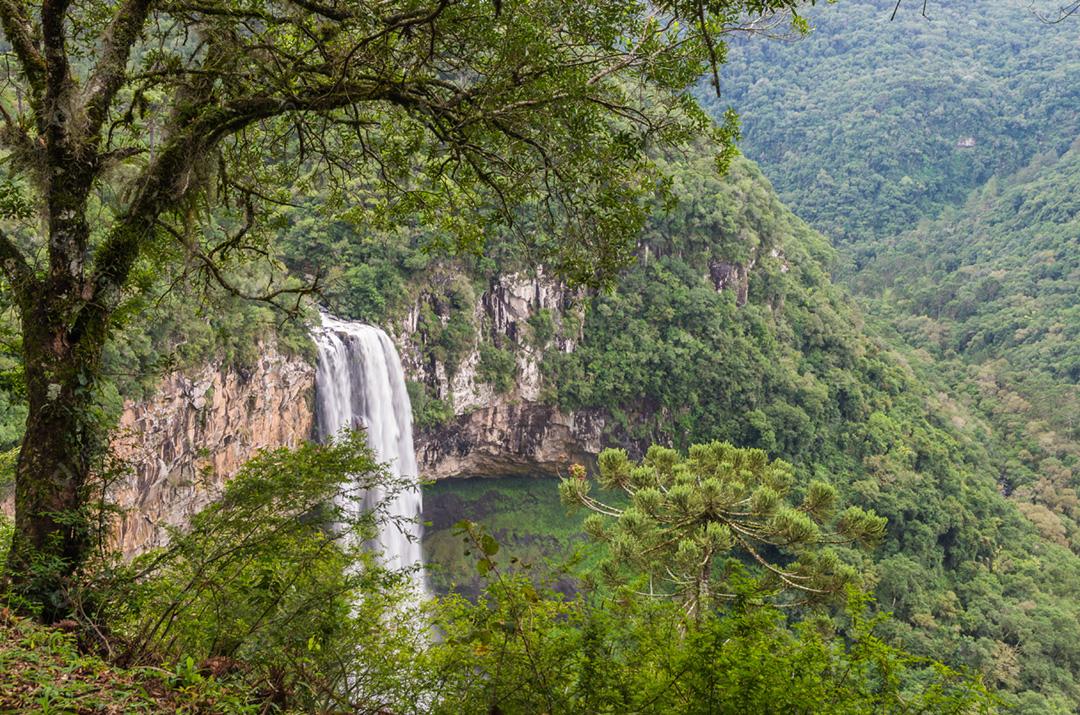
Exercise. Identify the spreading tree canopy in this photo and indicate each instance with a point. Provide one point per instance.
(145, 135)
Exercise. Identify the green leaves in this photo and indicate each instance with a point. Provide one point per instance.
(865, 528)
(820, 500)
(614, 468)
(477, 538)
(275, 573)
(14, 204)
(717, 503)
(489, 545)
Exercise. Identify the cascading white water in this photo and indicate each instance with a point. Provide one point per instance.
(359, 383)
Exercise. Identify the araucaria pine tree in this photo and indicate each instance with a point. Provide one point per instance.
(688, 524)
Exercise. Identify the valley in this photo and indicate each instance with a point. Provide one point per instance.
(630, 420)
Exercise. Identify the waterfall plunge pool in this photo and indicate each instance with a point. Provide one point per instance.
(523, 514)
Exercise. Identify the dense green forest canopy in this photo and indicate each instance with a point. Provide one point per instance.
(779, 362)
(149, 139)
(721, 323)
(868, 125)
(941, 157)
(690, 347)
(920, 115)
(988, 294)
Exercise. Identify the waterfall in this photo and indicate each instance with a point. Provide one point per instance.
(359, 383)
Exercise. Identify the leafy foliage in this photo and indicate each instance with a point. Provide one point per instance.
(43, 670)
(986, 298)
(140, 132)
(975, 288)
(532, 650)
(688, 518)
(428, 412)
(671, 359)
(867, 126)
(7, 528)
(498, 367)
(273, 576)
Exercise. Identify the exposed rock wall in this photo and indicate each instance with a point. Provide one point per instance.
(510, 438)
(188, 440)
(499, 433)
(736, 276)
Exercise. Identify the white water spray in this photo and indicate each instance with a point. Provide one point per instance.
(359, 383)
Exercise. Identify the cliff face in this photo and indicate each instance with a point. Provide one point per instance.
(187, 441)
(496, 433)
(509, 438)
(192, 437)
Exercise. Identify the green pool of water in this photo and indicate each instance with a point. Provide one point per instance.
(525, 516)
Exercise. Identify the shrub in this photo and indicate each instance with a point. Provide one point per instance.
(428, 412)
(497, 368)
(274, 579)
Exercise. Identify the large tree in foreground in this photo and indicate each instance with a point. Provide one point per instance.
(140, 135)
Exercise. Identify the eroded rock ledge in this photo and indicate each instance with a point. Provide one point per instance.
(188, 440)
(495, 433)
(507, 439)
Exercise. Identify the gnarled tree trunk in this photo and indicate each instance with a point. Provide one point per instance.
(63, 439)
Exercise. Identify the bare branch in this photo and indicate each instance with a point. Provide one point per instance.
(1064, 12)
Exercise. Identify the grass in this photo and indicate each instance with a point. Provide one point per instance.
(42, 670)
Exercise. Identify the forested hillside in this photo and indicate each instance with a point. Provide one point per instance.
(828, 495)
(870, 124)
(728, 327)
(792, 372)
(939, 155)
(989, 294)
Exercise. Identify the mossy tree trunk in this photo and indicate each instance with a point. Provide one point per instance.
(59, 447)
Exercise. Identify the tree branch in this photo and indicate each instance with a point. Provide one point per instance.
(1064, 12)
(24, 151)
(57, 69)
(331, 13)
(22, 35)
(168, 179)
(16, 269)
(108, 75)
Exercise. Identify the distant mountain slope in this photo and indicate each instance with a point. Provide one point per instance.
(991, 292)
(868, 125)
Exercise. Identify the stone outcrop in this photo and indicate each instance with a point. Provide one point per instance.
(735, 276)
(184, 443)
(510, 438)
(727, 275)
(500, 433)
